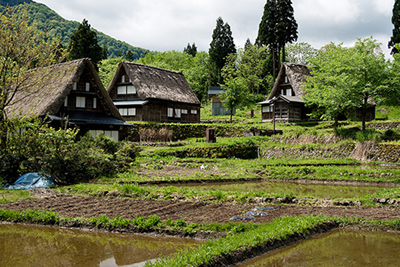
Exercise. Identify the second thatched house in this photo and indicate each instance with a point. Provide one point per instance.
(285, 102)
(69, 94)
(145, 93)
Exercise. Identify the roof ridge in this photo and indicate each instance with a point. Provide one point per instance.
(149, 66)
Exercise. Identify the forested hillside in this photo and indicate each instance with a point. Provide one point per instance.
(55, 25)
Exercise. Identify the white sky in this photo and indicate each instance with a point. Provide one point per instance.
(164, 25)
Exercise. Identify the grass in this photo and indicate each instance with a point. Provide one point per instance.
(8, 196)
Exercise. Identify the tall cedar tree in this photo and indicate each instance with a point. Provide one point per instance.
(277, 28)
(84, 44)
(221, 46)
(395, 39)
(191, 49)
(287, 25)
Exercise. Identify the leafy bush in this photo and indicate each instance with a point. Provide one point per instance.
(35, 147)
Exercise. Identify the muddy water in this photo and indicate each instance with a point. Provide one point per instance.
(337, 248)
(276, 187)
(22, 245)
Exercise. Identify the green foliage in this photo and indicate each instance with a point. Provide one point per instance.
(346, 79)
(35, 147)
(191, 49)
(220, 47)
(300, 53)
(84, 44)
(57, 27)
(395, 39)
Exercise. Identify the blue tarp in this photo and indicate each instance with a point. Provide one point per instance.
(31, 181)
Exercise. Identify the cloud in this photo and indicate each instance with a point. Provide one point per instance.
(162, 25)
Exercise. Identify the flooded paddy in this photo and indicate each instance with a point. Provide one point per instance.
(337, 248)
(26, 245)
(295, 188)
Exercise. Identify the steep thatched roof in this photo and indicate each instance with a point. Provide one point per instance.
(155, 83)
(296, 74)
(44, 90)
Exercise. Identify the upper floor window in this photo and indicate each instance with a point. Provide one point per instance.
(286, 79)
(87, 87)
(289, 92)
(75, 86)
(94, 102)
(66, 101)
(126, 90)
(80, 102)
(123, 78)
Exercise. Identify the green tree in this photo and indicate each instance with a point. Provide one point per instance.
(220, 47)
(277, 28)
(395, 39)
(249, 64)
(235, 94)
(129, 56)
(84, 44)
(267, 31)
(107, 69)
(300, 53)
(287, 25)
(191, 49)
(346, 79)
(22, 47)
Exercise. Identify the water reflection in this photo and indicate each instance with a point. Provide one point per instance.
(22, 245)
(337, 248)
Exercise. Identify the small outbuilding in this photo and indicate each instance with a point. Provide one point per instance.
(217, 108)
(69, 94)
(146, 93)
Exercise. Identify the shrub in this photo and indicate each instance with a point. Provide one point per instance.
(36, 147)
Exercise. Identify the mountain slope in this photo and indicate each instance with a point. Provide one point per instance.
(55, 25)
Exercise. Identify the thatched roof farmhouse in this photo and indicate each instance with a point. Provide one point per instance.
(68, 93)
(285, 102)
(145, 93)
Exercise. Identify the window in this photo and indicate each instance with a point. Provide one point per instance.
(123, 111)
(87, 87)
(286, 79)
(66, 101)
(193, 111)
(94, 102)
(184, 111)
(170, 112)
(131, 111)
(126, 89)
(112, 134)
(177, 113)
(289, 92)
(123, 78)
(267, 109)
(80, 102)
(127, 111)
(75, 86)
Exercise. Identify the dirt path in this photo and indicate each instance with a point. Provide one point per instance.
(198, 212)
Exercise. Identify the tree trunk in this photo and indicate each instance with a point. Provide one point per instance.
(336, 124)
(364, 112)
(273, 63)
(231, 114)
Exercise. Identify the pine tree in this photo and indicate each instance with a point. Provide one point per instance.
(395, 39)
(129, 56)
(277, 28)
(248, 44)
(84, 44)
(287, 25)
(221, 46)
(267, 31)
(191, 49)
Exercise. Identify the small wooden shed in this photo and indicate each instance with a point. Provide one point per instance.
(217, 108)
(146, 93)
(69, 94)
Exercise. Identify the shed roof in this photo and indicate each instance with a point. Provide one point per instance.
(156, 83)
